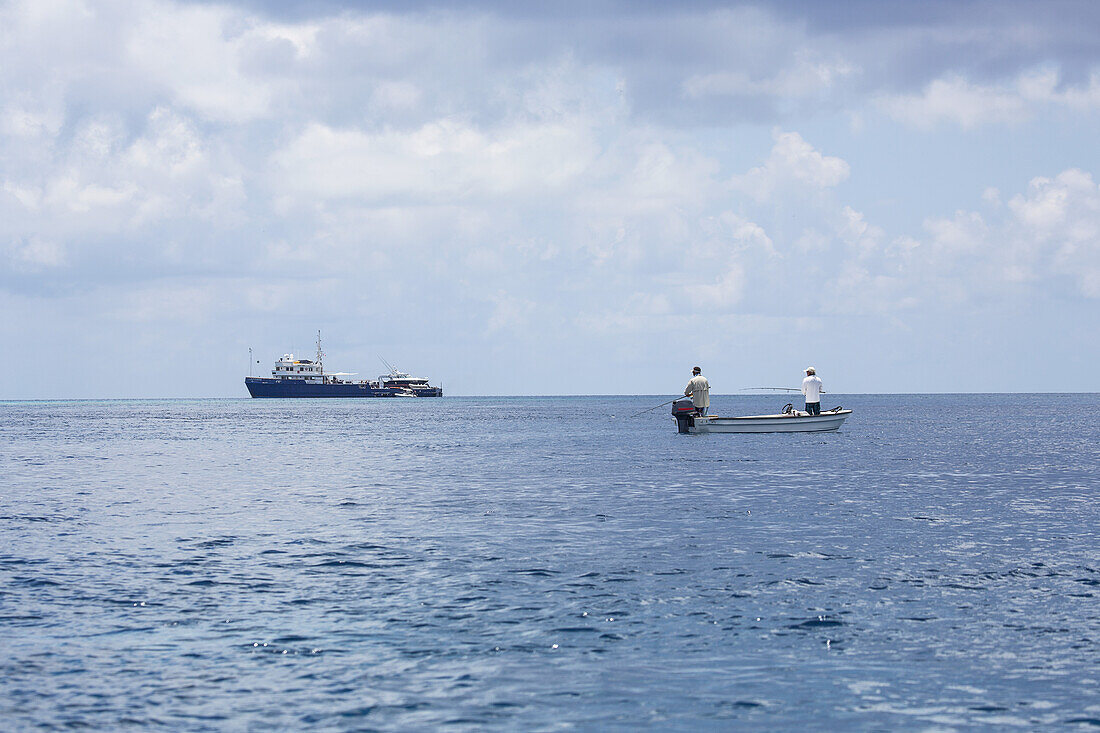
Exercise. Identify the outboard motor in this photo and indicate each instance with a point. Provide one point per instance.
(684, 412)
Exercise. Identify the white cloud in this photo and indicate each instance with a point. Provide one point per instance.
(35, 254)
(1046, 236)
(18, 121)
(301, 36)
(28, 197)
(855, 231)
(1057, 222)
(792, 164)
(445, 159)
(807, 77)
(954, 99)
(1046, 206)
(719, 293)
(396, 96)
(100, 183)
(965, 233)
(168, 302)
(1045, 85)
(197, 53)
(509, 312)
(746, 234)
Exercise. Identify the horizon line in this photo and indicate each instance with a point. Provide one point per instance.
(509, 396)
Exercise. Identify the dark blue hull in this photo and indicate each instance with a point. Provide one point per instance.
(267, 387)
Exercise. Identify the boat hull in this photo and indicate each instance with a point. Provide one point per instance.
(770, 423)
(281, 388)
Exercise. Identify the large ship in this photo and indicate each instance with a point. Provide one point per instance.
(295, 377)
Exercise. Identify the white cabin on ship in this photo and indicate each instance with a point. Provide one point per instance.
(289, 367)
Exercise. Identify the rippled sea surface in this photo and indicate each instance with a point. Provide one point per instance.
(533, 563)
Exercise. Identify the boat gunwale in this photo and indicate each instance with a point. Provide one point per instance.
(784, 417)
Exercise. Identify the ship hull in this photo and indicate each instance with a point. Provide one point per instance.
(282, 388)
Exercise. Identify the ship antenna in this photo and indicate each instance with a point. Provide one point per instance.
(320, 354)
(250, 361)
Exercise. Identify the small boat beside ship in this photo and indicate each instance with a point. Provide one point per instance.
(688, 420)
(406, 385)
(297, 377)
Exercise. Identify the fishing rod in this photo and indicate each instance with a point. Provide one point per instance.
(648, 409)
(774, 389)
(771, 389)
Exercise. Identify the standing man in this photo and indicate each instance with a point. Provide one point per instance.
(698, 390)
(812, 388)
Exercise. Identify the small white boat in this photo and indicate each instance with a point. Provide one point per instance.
(793, 421)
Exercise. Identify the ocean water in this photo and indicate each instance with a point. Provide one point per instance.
(538, 563)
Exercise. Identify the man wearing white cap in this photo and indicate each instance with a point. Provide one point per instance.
(811, 387)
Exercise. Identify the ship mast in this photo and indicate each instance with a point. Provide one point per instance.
(320, 355)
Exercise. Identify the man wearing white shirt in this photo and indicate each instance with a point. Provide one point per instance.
(811, 387)
(698, 390)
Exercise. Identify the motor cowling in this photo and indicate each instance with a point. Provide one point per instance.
(684, 411)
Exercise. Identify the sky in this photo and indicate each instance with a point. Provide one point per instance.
(550, 198)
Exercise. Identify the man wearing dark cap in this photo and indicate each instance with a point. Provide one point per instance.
(698, 390)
